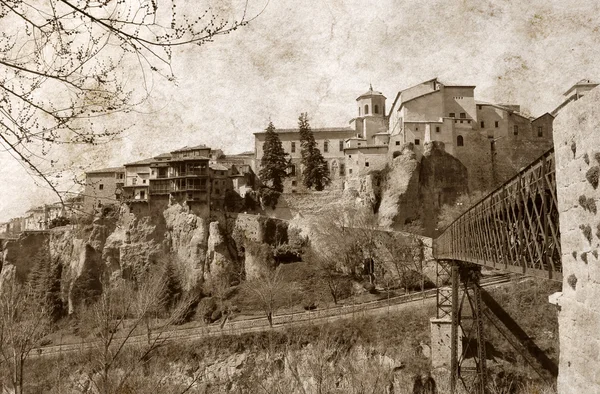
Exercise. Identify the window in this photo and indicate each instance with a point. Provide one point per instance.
(293, 170)
(350, 156)
(417, 128)
(358, 111)
(120, 176)
(218, 191)
(294, 183)
(417, 141)
(325, 146)
(293, 147)
(540, 130)
(516, 130)
(482, 124)
(437, 129)
(142, 195)
(350, 171)
(460, 141)
(452, 115)
(342, 169)
(366, 163)
(101, 187)
(376, 109)
(463, 115)
(397, 143)
(359, 144)
(341, 146)
(143, 181)
(496, 124)
(366, 109)
(479, 107)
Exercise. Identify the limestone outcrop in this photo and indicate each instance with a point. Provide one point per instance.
(400, 195)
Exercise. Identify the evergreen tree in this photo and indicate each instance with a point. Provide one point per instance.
(273, 167)
(172, 288)
(316, 172)
(44, 279)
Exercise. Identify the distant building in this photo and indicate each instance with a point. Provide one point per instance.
(102, 187)
(137, 181)
(575, 92)
(492, 140)
(220, 184)
(330, 141)
(345, 149)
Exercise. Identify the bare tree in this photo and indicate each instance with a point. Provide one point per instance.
(402, 255)
(119, 319)
(270, 291)
(64, 63)
(346, 238)
(24, 321)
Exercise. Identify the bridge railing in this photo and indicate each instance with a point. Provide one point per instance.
(515, 228)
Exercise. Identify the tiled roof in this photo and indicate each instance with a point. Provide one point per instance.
(106, 170)
(188, 148)
(314, 130)
(140, 162)
(583, 82)
(369, 93)
(218, 167)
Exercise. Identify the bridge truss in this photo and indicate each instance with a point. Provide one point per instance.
(514, 229)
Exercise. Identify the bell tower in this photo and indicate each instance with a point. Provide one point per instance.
(371, 114)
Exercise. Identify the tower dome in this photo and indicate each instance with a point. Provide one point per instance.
(371, 103)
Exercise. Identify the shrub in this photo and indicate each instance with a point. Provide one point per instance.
(592, 176)
(572, 281)
(59, 222)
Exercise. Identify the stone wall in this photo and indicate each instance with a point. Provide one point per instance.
(577, 143)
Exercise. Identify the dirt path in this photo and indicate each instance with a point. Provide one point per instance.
(280, 322)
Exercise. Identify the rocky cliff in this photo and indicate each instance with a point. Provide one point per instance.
(413, 191)
(122, 244)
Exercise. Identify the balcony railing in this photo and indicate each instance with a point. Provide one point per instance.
(189, 173)
(190, 188)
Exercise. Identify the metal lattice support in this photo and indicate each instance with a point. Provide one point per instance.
(454, 371)
(515, 228)
(467, 366)
(444, 292)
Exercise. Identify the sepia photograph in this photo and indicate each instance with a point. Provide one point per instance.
(299, 197)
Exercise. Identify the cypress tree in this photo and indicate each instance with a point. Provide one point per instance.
(172, 289)
(273, 167)
(316, 172)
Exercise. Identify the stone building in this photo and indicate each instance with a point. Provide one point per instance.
(575, 92)
(348, 151)
(137, 181)
(330, 141)
(493, 141)
(221, 182)
(103, 186)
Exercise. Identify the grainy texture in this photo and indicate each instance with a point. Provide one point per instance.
(579, 317)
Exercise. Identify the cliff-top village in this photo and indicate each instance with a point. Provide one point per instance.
(492, 140)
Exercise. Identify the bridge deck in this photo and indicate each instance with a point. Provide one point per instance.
(515, 228)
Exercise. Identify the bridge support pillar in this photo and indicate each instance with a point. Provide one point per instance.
(577, 153)
(445, 345)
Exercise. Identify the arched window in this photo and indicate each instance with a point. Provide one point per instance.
(376, 109)
(366, 109)
(460, 141)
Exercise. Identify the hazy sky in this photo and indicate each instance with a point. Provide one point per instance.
(317, 56)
